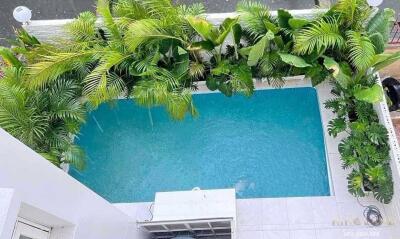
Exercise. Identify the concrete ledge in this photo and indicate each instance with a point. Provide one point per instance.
(48, 30)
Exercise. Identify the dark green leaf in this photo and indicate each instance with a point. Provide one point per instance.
(293, 60)
(283, 18)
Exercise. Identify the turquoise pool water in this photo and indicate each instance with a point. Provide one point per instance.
(269, 145)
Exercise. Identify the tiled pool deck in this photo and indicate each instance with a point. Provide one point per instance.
(339, 216)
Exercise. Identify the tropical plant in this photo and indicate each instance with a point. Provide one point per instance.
(348, 42)
(45, 120)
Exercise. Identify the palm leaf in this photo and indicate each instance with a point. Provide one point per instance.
(97, 79)
(103, 8)
(144, 31)
(83, 28)
(319, 36)
(75, 156)
(131, 9)
(56, 64)
(361, 50)
(254, 15)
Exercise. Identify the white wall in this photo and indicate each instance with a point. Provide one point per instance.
(393, 209)
(51, 197)
(48, 30)
(9, 205)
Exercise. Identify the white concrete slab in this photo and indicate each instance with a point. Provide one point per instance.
(201, 204)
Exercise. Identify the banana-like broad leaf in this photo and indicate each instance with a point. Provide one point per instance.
(211, 83)
(203, 28)
(283, 18)
(237, 33)
(293, 60)
(279, 42)
(381, 22)
(371, 95)
(181, 67)
(245, 51)
(202, 45)
(297, 23)
(225, 28)
(337, 72)
(271, 27)
(9, 58)
(378, 42)
(257, 51)
(382, 60)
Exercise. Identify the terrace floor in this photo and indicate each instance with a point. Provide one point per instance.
(339, 216)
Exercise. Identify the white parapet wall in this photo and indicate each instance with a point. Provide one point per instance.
(34, 189)
(48, 30)
(384, 117)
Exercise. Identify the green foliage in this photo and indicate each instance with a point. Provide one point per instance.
(8, 57)
(371, 94)
(381, 23)
(43, 119)
(336, 126)
(255, 17)
(258, 49)
(297, 23)
(319, 36)
(83, 28)
(378, 41)
(294, 60)
(361, 50)
(283, 18)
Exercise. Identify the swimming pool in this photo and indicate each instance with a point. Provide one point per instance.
(269, 145)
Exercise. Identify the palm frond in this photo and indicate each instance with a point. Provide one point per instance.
(97, 79)
(110, 87)
(242, 80)
(83, 28)
(159, 9)
(254, 15)
(75, 156)
(322, 34)
(19, 119)
(347, 8)
(191, 10)
(131, 9)
(54, 65)
(144, 31)
(103, 8)
(179, 103)
(361, 50)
